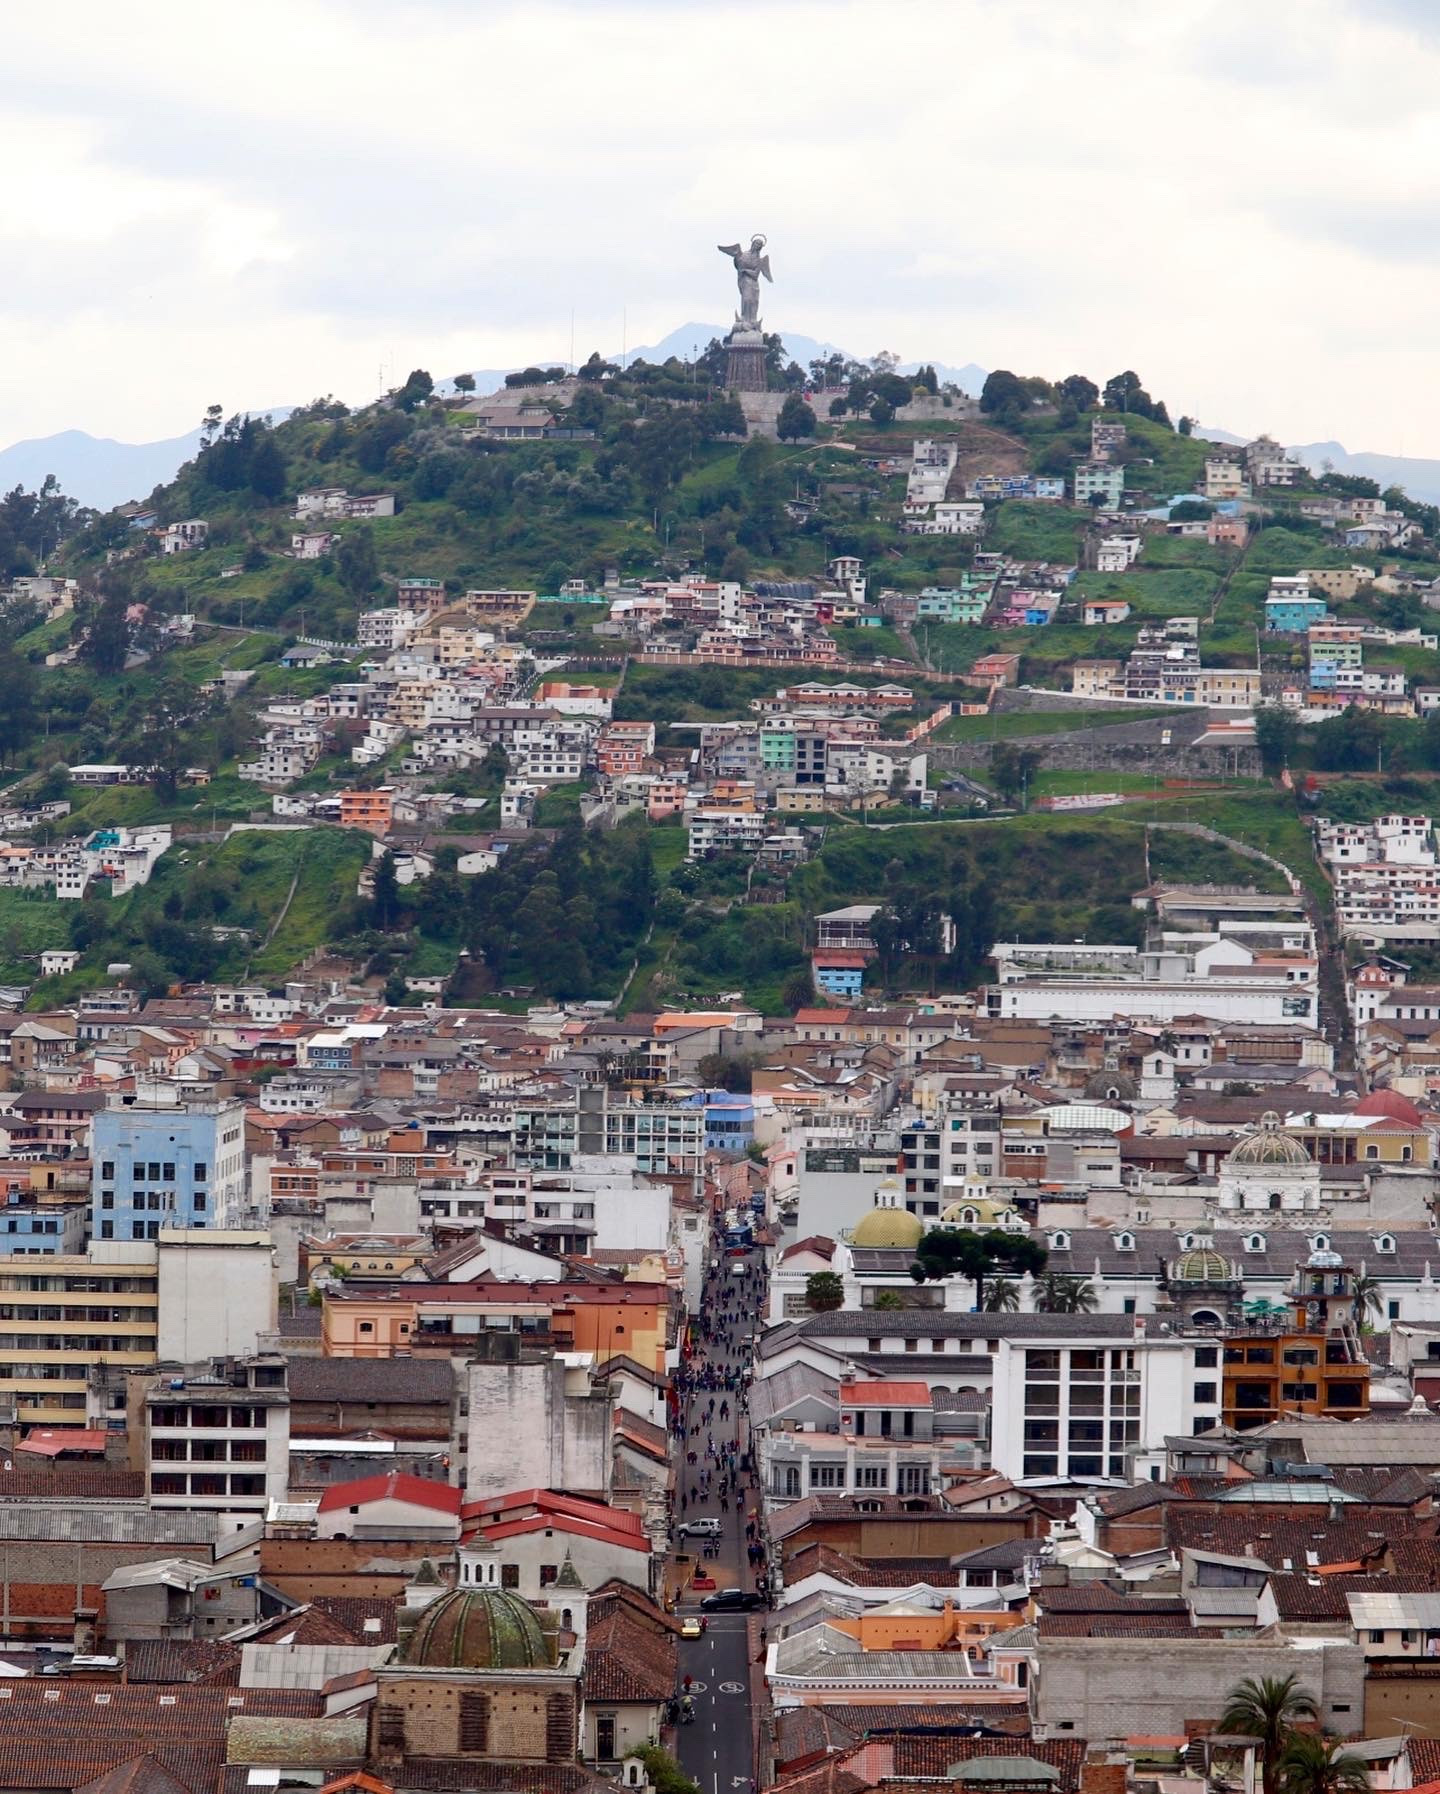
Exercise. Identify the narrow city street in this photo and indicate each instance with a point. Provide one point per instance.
(716, 1747)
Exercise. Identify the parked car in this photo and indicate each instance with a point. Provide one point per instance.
(733, 1600)
(705, 1527)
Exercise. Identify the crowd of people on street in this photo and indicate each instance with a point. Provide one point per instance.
(710, 1400)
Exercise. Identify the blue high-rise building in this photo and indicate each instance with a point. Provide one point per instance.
(167, 1167)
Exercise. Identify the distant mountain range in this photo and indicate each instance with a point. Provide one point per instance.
(103, 473)
(1419, 477)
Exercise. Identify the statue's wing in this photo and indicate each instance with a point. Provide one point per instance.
(765, 269)
(728, 248)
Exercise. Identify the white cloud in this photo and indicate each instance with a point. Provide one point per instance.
(255, 205)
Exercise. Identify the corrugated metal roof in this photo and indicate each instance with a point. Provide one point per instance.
(24, 1523)
(1386, 1611)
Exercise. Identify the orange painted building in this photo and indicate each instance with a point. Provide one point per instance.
(611, 1320)
(924, 1629)
(1309, 1362)
(368, 810)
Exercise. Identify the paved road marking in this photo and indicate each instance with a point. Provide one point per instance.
(732, 1688)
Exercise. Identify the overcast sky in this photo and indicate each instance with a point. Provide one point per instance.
(255, 205)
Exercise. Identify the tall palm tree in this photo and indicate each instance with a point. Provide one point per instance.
(1366, 1297)
(1002, 1296)
(1063, 1294)
(1267, 1708)
(1314, 1765)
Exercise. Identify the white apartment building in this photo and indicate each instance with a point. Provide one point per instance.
(931, 466)
(725, 831)
(217, 1440)
(179, 537)
(1395, 839)
(387, 629)
(1117, 554)
(1162, 999)
(1088, 1406)
(279, 763)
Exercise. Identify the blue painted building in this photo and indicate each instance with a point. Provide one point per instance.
(838, 972)
(1293, 615)
(28, 1230)
(729, 1119)
(166, 1167)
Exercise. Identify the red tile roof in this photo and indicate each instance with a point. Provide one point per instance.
(885, 1395)
(392, 1485)
(50, 1441)
(519, 1501)
(58, 1738)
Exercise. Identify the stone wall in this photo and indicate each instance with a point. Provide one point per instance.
(1135, 746)
(1113, 1688)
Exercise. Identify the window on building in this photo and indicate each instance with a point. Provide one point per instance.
(202, 1171)
(107, 1170)
(509, 1575)
(1203, 1395)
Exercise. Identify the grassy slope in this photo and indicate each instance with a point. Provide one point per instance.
(263, 866)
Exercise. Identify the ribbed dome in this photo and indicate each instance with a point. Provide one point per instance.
(478, 1628)
(1269, 1145)
(1111, 1086)
(1202, 1265)
(987, 1210)
(887, 1227)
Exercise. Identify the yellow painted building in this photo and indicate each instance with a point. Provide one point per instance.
(62, 1318)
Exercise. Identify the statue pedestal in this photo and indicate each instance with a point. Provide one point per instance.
(745, 361)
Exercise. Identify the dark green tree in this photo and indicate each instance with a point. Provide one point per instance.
(824, 1292)
(385, 893)
(798, 990)
(108, 640)
(417, 388)
(1012, 768)
(796, 419)
(1276, 732)
(1079, 391)
(1004, 392)
(357, 563)
(962, 1252)
(267, 468)
(17, 704)
(1268, 1709)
